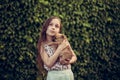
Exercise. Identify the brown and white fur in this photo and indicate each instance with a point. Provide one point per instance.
(66, 54)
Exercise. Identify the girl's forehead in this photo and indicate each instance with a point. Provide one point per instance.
(55, 21)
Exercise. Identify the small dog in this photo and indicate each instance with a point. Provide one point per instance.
(66, 54)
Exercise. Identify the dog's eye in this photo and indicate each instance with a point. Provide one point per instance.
(56, 37)
(62, 36)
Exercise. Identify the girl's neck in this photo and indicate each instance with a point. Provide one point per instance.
(49, 39)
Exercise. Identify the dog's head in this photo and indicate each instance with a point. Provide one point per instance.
(59, 37)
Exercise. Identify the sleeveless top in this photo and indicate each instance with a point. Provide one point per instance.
(57, 66)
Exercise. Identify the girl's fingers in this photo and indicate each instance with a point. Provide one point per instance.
(65, 62)
(63, 45)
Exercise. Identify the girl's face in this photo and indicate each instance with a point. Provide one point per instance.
(53, 27)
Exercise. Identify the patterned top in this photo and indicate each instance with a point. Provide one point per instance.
(57, 66)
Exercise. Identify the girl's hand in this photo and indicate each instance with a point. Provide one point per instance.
(63, 45)
(65, 62)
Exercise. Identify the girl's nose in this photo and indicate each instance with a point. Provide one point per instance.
(53, 28)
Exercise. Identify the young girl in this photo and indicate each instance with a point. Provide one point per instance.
(49, 57)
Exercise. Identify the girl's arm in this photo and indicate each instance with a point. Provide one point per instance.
(73, 59)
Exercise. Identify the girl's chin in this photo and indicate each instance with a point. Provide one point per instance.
(51, 34)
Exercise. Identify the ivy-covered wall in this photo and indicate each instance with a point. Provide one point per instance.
(92, 27)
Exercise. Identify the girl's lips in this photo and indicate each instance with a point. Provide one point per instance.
(52, 31)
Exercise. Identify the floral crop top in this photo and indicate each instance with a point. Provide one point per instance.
(57, 66)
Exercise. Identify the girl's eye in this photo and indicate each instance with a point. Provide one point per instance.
(50, 24)
(57, 26)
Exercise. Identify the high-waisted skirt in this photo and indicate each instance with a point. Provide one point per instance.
(60, 75)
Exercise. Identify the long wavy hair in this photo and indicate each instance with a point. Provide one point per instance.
(41, 40)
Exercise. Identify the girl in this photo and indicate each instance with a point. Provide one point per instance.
(48, 57)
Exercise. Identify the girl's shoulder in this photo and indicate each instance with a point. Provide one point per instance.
(46, 46)
(43, 44)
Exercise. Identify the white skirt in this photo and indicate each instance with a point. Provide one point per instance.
(60, 75)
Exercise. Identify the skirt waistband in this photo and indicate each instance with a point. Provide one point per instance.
(60, 70)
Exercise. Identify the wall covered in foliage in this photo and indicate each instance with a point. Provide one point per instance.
(92, 27)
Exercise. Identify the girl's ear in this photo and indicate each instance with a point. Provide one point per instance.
(60, 30)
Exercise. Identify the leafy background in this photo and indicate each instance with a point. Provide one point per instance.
(92, 27)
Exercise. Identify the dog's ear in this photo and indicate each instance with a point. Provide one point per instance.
(57, 35)
(63, 36)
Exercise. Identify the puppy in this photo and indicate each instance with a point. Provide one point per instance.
(66, 54)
